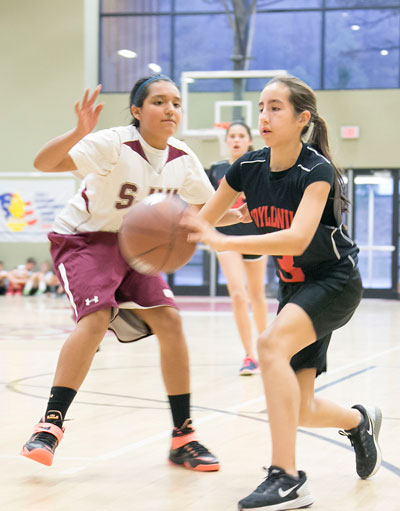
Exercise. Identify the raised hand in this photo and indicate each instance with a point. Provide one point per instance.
(87, 113)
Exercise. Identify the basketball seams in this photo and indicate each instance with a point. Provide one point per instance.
(151, 238)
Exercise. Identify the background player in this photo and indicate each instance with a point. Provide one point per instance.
(120, 166)
(242, 269)
(294, 196)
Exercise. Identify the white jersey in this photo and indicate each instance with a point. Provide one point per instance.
(118, 169)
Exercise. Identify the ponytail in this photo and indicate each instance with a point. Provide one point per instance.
(319, 140)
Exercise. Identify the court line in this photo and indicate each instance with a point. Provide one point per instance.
(154, 438)
(12, 385)
(160, 436)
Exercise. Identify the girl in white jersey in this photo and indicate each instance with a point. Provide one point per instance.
(294, 197)
(120, 166)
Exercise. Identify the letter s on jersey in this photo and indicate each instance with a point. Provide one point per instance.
(127, 195)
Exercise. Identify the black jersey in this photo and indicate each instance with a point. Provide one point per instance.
(216, 174)
(273, 199)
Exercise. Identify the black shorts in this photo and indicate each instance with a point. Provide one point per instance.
(330, 303)
(252, 257)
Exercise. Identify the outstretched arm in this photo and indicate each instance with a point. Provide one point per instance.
(292, 241)
(53, 156)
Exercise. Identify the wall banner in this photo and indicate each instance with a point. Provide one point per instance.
(29, 203)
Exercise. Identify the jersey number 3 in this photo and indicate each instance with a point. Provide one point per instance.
(288, 272)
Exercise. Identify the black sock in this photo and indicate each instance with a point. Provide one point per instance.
(58, 404)
(180, 408)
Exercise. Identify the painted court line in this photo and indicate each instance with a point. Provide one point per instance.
(166, 434)
(154, 438)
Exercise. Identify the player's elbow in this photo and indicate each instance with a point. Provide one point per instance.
(40, 165)
(299, 244)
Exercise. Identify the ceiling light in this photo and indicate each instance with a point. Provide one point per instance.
(127, 54)
(355, 27)
(384, 52)
(154, 67)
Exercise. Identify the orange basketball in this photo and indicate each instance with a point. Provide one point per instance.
(151, 238)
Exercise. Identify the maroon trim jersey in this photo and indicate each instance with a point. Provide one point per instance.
(119, 168)
(273, 199)
(216, 174)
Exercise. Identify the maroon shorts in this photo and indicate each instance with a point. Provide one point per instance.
(95, 277)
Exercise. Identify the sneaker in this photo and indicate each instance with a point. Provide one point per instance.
(364, 439)
(186, 451)
(250, 366)
(279, 491)
(42, 444)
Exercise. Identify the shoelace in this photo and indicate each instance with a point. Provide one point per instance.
(195, 449)
(271, 479)
(359, 446)
(343, 433)
(47, 438)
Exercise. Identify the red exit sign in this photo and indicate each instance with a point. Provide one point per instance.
(350, 131)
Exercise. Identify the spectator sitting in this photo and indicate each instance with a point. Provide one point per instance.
(18, 277)
(3, 279)
(48, 280)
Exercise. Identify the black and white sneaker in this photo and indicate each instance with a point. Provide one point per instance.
(279, 491)
(364, 439)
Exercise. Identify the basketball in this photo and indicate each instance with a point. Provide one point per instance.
(151, 238)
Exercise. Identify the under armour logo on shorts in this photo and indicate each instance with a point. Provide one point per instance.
(95, 299)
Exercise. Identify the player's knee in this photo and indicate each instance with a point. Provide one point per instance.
(168, 320)
(268, 349)
(239, 297)
(97, 322)
(258, 300)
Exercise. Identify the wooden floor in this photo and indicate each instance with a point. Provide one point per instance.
(113, 455)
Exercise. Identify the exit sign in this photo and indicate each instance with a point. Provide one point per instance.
(350, 131)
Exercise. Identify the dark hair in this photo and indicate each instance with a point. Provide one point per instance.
(31, 260)
(302, 97)
(245, 126)
(140, 91)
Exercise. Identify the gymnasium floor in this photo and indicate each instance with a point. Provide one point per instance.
(114, 453)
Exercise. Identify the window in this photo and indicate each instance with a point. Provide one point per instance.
(362, 49)
(198, 6)
(277, 46)
(362, 3)
(149, 37)
(330, 44)
(135, 6)
(205, 52)
(289, 4)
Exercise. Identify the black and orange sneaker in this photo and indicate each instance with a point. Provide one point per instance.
(187, 452)
(42, 444)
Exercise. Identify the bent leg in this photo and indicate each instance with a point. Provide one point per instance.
(291, 331)
(78, 351)
(166, 323)
(73, 364)
(316, 412)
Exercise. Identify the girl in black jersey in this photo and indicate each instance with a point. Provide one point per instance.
(294, 197)
(244, 273)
